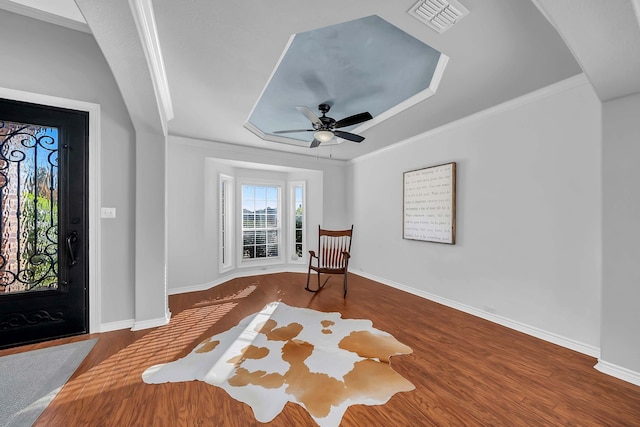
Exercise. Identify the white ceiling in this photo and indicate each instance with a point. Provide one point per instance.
(604, 36)
(220, 55)
(64, 8)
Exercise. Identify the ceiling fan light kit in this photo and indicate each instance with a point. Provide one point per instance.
(323, 135)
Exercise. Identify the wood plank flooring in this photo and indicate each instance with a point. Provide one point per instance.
(467, 371)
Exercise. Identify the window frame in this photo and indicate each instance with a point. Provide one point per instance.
(242, 262)
(226, 218)
(294, 259)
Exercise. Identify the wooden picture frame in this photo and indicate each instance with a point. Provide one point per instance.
(429, 204)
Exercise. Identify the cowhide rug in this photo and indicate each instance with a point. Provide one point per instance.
(286, 354)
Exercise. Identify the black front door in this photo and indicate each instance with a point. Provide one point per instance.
(43, 223)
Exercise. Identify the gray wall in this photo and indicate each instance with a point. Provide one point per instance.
(528, 247)
(621, 225)
(47, 59)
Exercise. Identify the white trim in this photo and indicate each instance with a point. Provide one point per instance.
(562, 86)
(95, 284)
(229, 223)
(143, 16)
(619, 372)
(636, 8)
(151, 323)
(281, 139)
(247, 123)
(500, 320)
(235, 275)
(411, 101)
(289, 140)
(116, 326)
(165, 260)
(239, 240)
(291, 227)
(41, 15)
(224, 149)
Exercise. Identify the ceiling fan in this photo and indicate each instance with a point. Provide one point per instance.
(325, 127)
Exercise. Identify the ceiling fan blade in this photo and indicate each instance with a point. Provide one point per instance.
(310, 115)
(314, 143)
(350, 136)
(353, 120)
(293, 131)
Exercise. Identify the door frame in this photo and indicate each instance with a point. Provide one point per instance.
(94, 285)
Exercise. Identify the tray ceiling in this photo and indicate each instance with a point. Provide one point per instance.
(366, 64)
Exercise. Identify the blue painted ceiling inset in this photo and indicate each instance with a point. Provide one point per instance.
(363, 65)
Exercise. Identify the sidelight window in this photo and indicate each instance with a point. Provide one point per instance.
(298, 220)
(226, 222)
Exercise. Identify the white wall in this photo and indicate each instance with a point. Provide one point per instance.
(51, 60)
(192, 191)
(621, 226)
(528, 214)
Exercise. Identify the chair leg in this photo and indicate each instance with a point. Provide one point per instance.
(308, 277)
(345, 285)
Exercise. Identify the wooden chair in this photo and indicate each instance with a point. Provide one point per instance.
(333, 256)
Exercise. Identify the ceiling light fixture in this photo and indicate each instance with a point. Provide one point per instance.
(323, 135)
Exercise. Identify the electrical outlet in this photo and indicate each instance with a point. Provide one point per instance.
(108, 212)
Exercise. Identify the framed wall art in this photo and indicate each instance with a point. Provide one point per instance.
(429, 204)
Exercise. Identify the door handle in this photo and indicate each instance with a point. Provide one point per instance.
(71, 238)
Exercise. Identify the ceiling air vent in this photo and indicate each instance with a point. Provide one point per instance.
(438, 14)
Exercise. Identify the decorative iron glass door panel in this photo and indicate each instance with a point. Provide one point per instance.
(29, 207)
(43, 226)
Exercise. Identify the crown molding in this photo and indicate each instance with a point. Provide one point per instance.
(143, 16)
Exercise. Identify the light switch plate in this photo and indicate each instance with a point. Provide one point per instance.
(108, 213)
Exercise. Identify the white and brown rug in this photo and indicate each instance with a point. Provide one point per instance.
(286, 354)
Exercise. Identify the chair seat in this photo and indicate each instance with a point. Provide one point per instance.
(329, 270)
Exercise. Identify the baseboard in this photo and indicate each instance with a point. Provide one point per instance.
(136, 326)
(133, 325)
(151, 323)
(234, 275)
(115, 326)
(618, 372)
(511, 324)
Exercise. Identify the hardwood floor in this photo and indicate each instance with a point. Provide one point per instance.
(467, 371)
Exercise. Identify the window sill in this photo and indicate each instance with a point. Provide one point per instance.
(248, 263)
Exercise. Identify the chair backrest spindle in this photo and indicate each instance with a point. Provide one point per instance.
(332, 244)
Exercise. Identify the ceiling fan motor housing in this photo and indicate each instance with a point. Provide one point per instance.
(327, 122)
